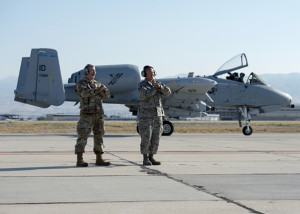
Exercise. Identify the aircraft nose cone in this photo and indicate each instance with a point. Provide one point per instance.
(286, 100)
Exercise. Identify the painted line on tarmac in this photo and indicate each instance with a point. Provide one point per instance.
(199, 188)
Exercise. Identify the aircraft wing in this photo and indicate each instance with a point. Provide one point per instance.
(188, 96)
(187, 99)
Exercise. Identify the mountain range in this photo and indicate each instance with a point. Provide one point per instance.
(288, 83)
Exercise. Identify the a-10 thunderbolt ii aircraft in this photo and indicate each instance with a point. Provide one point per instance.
(253, 93)
(40, 84)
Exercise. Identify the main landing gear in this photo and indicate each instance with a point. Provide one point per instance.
(247, 130)
(168, 128)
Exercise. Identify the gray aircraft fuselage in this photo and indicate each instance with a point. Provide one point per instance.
(231, 93)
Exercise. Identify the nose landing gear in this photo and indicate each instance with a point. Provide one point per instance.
(247, 130)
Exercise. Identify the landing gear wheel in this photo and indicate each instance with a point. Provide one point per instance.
(247, 130)
(168, 128)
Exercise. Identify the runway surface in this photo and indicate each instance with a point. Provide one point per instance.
(200, 173)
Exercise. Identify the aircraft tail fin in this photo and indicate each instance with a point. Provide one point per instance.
(40, 83)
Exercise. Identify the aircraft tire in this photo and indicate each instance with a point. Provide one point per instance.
(168, 128)
(246, 131)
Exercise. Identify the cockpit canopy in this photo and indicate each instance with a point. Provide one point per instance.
(255, 80)
(236, 63)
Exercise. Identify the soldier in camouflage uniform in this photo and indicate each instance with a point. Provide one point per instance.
(91, 92)
(151, 114)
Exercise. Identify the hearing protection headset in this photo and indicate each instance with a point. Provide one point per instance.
(86, 69)
(144, 73)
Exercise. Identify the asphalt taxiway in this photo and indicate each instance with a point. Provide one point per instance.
(200, 173)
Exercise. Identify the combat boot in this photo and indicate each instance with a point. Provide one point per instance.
(100, 161)
(146, 160)
(151, 159)
(80, 161)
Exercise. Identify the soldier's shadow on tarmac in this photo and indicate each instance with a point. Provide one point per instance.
(91, 165)
(120, 135)
(35, 168)
(105, 136)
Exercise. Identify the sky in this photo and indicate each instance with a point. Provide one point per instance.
(174, 36)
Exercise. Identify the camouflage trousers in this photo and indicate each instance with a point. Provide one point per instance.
(150, 129)
(85, 125)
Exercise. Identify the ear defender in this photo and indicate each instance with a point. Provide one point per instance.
(144, 73)
(86, 70)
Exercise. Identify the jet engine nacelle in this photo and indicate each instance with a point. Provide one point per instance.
(117, 78)
(121, 80)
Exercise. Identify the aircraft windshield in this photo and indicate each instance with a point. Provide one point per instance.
(235, 63)
(256, 80)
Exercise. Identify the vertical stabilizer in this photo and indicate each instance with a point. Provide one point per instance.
(40, 83)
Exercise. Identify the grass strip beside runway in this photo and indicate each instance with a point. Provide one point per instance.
(129, 127)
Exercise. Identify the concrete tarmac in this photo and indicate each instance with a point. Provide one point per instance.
(200, 173)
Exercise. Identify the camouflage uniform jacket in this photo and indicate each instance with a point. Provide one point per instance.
(150, 99)
(91, 98)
